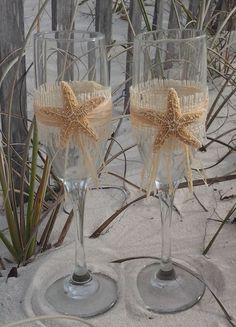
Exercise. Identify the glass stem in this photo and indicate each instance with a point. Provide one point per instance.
(76, 191)
(166, 271)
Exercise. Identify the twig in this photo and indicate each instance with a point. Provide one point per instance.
(100, 229)
(199, 202)
(65, 229)
(229, 214)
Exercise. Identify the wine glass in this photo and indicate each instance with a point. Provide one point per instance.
(168, 110)
(72, 105)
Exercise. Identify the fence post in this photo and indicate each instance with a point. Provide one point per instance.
(62, 14)
(173, 20)
(157, 15)
(63, 19)
(194, 8)
(12, 39)
(135, 16)
(103, 18)
(103, 21)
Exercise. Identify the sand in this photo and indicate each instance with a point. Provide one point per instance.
(136, 232)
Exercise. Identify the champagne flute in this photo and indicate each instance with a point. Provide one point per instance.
(168, 110)
(73, 108)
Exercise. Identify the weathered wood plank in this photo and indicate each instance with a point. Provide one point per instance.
(11, 41)
(63, 19)
(103, 19)
(194, 7)
(175, 13)
(136, 19)
(157, 15)
(62, 14)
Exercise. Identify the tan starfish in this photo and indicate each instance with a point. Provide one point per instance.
(171, 123)
(72, 118)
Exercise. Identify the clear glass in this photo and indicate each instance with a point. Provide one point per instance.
(163, 60)
(79, 59)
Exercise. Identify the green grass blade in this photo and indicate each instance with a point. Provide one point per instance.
(29, 215)
(38, 204)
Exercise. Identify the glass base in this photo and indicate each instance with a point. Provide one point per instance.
(84, 300)
(168, 293)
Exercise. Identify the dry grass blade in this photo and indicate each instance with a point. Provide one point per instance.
(209, 181)
(176, 13)
(219, 160)
(218, 137)
(229, 214)
(125, 161)
(211, 116)
(118, 154)
(9, 246)
(43, 243)
(144, 14)
(230, 14)
(233, 148)
(11, 221)
(101, 228)
(65, 229)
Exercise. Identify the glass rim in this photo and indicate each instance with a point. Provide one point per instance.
(199, 34)
(50, 35)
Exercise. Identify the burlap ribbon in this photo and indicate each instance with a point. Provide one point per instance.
(168, 119)
(75, 114)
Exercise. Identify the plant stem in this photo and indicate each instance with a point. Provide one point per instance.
(76, 191)
(229, 214)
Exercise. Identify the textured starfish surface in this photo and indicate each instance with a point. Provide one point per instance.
(173, 122)
(72, 117)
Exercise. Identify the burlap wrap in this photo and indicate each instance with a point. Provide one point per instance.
(168, 161)
(88, 137)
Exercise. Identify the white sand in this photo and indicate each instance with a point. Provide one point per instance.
(136, 232)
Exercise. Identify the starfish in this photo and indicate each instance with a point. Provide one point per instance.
(171, 123)
(72, 117)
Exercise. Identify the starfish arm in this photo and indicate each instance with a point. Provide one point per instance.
(66, 132)
(162, 135)
(173, 104)
(89, 106)
(51, 116)
(188, 138)
(148, 117)
(73, 128)
(70, 100)
(190, 117)
(83, 125)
